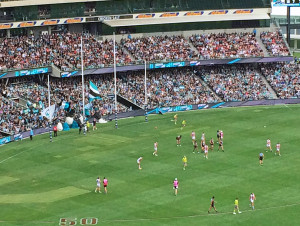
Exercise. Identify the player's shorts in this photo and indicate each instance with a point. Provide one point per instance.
(175, 187)
(205, 152)
(260, 158)
(155, 149)
(212, 205)
(220, 144)
(193, 138)
(98, 185)
(277, 149)
(251, 200)
(236, 206)
(218, 136)
(137, 162)
(105, 185)
(268, 145)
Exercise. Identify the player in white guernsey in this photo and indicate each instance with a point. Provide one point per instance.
(278, 149)
(193, 135)
(206, 151)
(252, 198)
(155, 149)
(139, 160)
(98, 181)
(269, 147)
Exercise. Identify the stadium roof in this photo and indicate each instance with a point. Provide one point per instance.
(206, 16)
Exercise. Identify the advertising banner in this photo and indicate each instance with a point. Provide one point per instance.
(5, 140)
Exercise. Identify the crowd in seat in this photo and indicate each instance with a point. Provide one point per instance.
(236, 83)
(224, 45)
(166, 87)
(64, 49)
(160, 48)
(274, 43)
(284, 79)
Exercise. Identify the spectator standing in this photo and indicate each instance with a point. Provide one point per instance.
(31, 134)
(55, 131)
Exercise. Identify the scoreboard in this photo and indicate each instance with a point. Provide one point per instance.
(291, 3)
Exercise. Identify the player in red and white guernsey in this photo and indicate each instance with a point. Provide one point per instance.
(155, 149)
(278, 148)
(206, 151)
(221, 134)
(269, 147)
(193, 135)
(252, 198)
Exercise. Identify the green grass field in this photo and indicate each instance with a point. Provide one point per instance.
(41, 182)
(296, 54)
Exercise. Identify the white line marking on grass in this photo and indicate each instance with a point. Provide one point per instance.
(4, 160)
(198, 215)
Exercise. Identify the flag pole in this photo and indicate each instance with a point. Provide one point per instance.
(82, 78)
(49, 102)
(115, 78)
(146, 116)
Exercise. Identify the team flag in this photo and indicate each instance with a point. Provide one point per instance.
(49, 112)
(94, 92)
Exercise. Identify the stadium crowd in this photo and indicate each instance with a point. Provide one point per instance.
(63, 50)
(223, 45)
(284, 79)
(236, 83)
(160, 48)
(165, 87)
(274, 43)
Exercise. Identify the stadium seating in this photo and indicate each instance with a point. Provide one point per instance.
(222, 45)
(63, 50)
(274, 43)
(236, 83)
(284, 79)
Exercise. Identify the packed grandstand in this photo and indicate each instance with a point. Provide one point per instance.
(24, 97)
